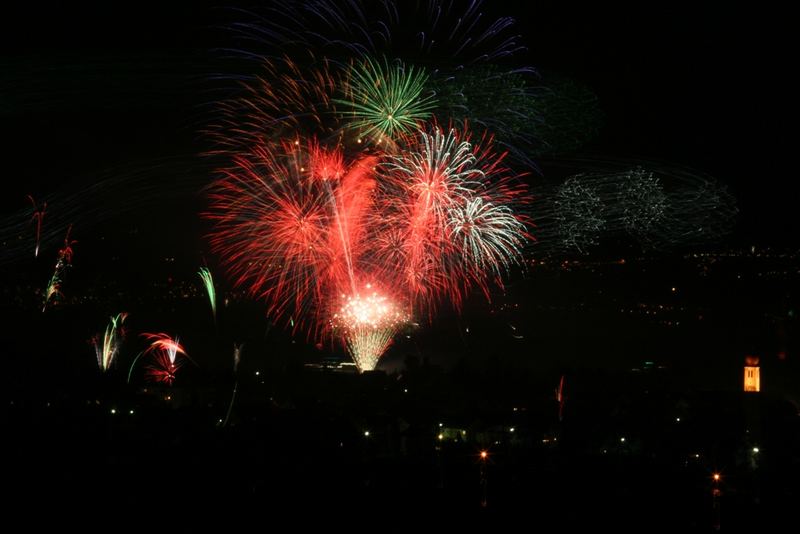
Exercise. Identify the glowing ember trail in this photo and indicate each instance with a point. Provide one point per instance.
(107, 349)
(208, 282)
(53, 289)
(38, 216)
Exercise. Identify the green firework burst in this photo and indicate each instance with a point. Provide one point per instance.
(385, 99)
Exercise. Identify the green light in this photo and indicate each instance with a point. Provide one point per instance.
(208, 282)
(384, 100)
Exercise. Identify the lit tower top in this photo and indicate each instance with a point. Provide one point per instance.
(752, 378)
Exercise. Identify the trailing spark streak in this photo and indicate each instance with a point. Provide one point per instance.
(64, 260)
(38, 217)
(208, 282)
(107, 349)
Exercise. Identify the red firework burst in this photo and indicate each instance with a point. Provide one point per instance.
(164, 363)
(299, 224)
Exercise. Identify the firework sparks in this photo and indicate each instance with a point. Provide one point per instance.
(38, 217)
(292, 237)
(284, 101)
(64, 260)
(560, 398)
(107, 349)
(237, 356)
(644, 202)
(452, 216)
(490, 236)
(164, 363)
(658, 208)
(298, 223)
(208, 282)
(335, 173)
(581, 213)
(385, 100)
(368, 324)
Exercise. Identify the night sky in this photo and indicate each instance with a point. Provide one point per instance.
(102, 109)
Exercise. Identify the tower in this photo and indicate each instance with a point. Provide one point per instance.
(752, 378)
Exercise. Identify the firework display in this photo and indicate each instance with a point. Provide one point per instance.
(419, 242)
(658, 208)
(342, 168)
(383, 100)
(299, 224)
(580, 213)
(368, 321)
(368, 72)
(374, 160)
(38, 216)
(164, 361)
(107, 347)
(208, 283)
(53, 290)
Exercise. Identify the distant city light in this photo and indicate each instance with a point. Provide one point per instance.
(258, 373)
(484, 455)
(678, 419)
(441, 437)
(622, 440)
(755, 450)
(716, 477)
(113, 410)
(366, 433)
(131, 412)
(511, 429)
